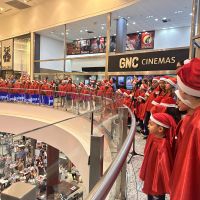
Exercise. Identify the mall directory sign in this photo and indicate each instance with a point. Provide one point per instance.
(148, 61)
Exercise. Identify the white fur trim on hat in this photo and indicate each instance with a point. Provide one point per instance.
(186, 61)
(163, 79)
(186, 102)
(187, 89)
(158, 122)
(155, 79)
(171, 82)
(141, 97)
(169, 105)
(154, 103)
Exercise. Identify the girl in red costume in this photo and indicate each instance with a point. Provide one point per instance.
(158, 156)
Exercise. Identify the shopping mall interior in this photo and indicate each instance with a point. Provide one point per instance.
(82, 82)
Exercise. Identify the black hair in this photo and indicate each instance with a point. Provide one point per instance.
(175, 113)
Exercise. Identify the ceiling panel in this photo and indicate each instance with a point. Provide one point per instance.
(140, 16)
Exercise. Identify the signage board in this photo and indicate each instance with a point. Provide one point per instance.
(148, 61)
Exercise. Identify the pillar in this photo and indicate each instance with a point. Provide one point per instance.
(52, 169)
(96, 160)
(121, 35)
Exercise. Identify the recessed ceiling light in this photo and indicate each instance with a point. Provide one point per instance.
(190, 14)
(102, 28)
(156, 19)
(178, 12)
(81, 31)
(128, 17)
(150, 16)
(86, 30)
(134, 23)
(164, 18)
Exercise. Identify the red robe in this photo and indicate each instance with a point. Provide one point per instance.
(157, 166)
(185, 180)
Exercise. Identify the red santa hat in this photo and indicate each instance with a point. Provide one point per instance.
(142, 96)
(127, 93)
(172, 81)
(164, 78)
(188, 78)
(157, 100)
(168, 102)
(157, 78)
(144, 87)
(119, 91)
(167, 121)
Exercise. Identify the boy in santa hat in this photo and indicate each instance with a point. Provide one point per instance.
(185, 180)
(158, 157)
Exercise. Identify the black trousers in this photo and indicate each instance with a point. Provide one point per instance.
(160, 197)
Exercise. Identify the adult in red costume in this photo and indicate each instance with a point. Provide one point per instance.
(185, 180)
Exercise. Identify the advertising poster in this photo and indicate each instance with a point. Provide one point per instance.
(121, 81)
(94, 47)
(147, 40)
(112, 43)
(85, 46)
(129, 84)
(77, 47)
(70, 48)
(133, 42)
(7, 54)
(102, 45)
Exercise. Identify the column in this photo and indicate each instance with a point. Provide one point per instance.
(121, 35)
(52, 169)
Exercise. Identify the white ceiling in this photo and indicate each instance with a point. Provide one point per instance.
(6, 9)
(140, 16)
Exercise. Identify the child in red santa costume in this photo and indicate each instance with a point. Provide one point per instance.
(158, 156)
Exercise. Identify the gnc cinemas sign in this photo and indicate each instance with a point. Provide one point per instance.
(149, 61)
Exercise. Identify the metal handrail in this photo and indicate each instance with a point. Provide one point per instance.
(102, 188)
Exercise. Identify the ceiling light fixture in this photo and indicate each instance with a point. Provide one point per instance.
(164, 18)
(190, 14)
(178, 12)
(156, 19)
(81, 31)
(138, 31)
(134, 23)
(86, 30)
(102, 28)
(128, 17)
(150, 16)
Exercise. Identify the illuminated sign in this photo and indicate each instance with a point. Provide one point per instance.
(149, 61)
